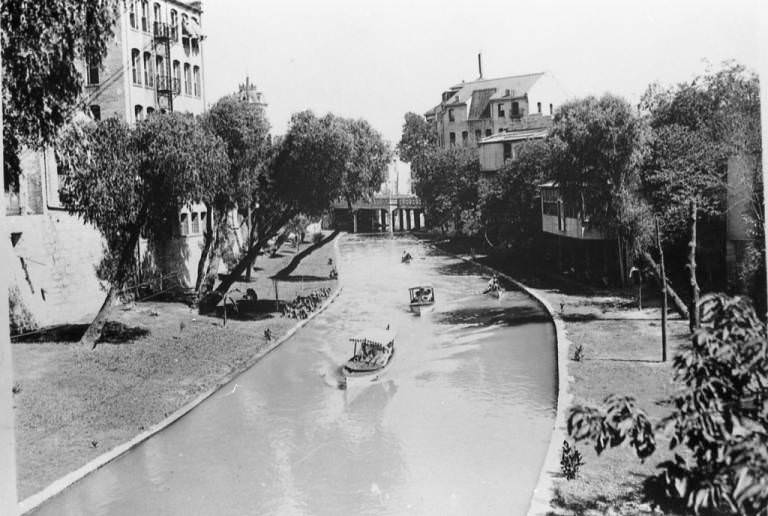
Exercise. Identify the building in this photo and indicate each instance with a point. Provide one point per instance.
(496, 150)
(153, 64)
(471, 111)
(248, 92)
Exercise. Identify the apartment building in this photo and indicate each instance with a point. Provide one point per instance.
(471, 111)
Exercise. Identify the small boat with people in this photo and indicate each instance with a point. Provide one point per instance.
(373, 351)
(422, 299)
(494, 287)
(406, 257)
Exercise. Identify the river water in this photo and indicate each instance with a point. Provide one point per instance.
(458, 424)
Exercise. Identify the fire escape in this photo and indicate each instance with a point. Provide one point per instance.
(167, 85)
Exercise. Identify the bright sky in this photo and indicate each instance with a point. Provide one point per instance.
(378, 60)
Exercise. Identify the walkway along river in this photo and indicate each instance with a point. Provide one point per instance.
(459, 424)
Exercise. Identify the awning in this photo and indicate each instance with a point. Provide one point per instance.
(191, 28)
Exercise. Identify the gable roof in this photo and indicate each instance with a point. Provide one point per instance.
(518, 86)
(479, 106)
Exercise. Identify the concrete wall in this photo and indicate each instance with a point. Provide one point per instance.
(547, 90)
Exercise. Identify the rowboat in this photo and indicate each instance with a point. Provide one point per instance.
(373, 351)
(422, 299)
(496, 292)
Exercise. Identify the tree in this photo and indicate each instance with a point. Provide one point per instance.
(509, 200)
(719, 413)
(597, 148)
(418, 135)
(127, 181)
(304, 175)
(366, 166)
(446, 182)
(245, 131)
(42, 45)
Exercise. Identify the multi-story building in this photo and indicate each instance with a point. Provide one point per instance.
(471, 111)
(154, 63)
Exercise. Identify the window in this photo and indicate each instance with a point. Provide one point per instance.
(158, 13)
(478, 135)
(92, 76)
(538, 106)
(550, 109)
(488, 132)
(195, 223)
(507, 151)
(160, 63)
(196, 74)
(464, 138)
(136, 66)
(549, 200)
(145, 15)
(132, 15)
(149, 80)
(175, 24)
(150, 111)
(138, 112)
(501, 111)
(176, 76)
(95, 112)
(450, 116)
(187, 79)
(195, 47)
(203, 220)
(515, 109)
(184, 26)
(452, 139)
(184, 224)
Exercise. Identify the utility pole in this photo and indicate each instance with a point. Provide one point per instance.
(663, 296)
(8, 496)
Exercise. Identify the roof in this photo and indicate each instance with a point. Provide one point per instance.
(514, 136)
(479, 106)
(518, 86)
(375, 335)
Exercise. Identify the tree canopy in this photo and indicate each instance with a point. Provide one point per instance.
(43, 43)
(418, 134)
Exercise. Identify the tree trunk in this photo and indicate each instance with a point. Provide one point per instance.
(208, 240)
(250, 243)
(622, 280)
(663, 296)
(679, 306)
(207, 279)
(92, 334)
(693, 309)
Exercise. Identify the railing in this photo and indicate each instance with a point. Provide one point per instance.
(163, 31)
(166, 84)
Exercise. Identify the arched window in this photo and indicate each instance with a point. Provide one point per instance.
(538, 106)
(95, 112)
(198, 85)
(145, 15)
(136, 66)
(176, 76)
(195, 223)
(150, 111)
(157, 12)
(132, 16)
(138, 112)
(148, 70)
(175, 24)
(184, 224)
(550, 109)
(187, 79)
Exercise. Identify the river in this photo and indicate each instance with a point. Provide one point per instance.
(459, 423)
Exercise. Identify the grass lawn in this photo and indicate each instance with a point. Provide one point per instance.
(75, 404)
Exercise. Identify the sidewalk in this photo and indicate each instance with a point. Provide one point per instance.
(75, 404)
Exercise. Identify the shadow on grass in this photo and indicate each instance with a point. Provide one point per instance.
(484, 316)
(299, 278)
(251, 310)
(578, 317)
(113, 333)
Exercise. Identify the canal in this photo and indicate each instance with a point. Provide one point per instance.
(459, 424)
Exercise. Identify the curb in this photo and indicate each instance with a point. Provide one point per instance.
(545, 485)
(67, 480)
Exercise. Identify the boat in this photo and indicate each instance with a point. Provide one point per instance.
(495, 292)
(406, 258)
(373, 351)
(422, 299)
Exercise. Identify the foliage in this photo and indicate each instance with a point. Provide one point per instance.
(42, 44)
(509, 199)
(417, 136)
(446, 182)
(366, 166)
(719, 414)
(20, 318)
(317, 237)
(571, 461)
(298, 226)
(578, 353)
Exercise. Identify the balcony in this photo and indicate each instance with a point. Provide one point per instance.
(166, 84)
(164, 32)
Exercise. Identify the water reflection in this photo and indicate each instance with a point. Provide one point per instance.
(458, 424)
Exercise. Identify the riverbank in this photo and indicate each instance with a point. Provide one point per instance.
(73, 404)
(620, 348)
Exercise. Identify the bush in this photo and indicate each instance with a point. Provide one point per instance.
(317, 237)
(571, 461)
(578, 353)
(21, 319)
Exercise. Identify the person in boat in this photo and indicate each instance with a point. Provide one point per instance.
(493, 284)
(406, 257)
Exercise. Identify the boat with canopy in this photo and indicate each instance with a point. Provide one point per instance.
(373, 351)
(422, 299)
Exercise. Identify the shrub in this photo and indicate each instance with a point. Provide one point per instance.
(578, 353)
(571, 461)
(317, 237)
(21, 319)
(720, 414)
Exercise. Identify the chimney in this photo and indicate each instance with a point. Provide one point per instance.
(480, 64)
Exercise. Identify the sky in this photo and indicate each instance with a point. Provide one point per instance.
(378, 60)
